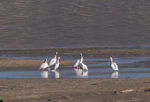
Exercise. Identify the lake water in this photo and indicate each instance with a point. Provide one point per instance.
(76, 73)
(31, 24)
(129, 67)
(74, 23)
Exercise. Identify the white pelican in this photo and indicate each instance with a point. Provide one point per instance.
(53, 60)
(56, 66)
(44, 65)
(78, 61)
(83, 66)
(114, 65)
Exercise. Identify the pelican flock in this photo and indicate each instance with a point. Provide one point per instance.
(79, 65)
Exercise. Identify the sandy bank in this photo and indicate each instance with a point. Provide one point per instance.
(75, 90)
(28, 64)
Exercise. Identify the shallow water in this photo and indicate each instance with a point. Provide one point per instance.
(129, 67)
(77, 73)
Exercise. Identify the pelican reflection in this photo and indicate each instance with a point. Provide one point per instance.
(114, 75)
(57, 75)
(44, 74)
(81, 73)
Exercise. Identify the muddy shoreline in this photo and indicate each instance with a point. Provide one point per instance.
(70, 90)
(75, 90)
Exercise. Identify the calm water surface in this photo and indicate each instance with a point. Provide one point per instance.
(31, 24)
(74, 23)
(76, 73)
(129, 67)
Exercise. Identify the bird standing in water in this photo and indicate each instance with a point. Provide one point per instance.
(56, 66)
(53, 60)
(83, 66)
(44, 65)
(78, 61)
(114, 65)
(79, 64)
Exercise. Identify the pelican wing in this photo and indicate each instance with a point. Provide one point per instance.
(52, 62)
(114, 66)
(83, 66)
(43, 65)
(77, 63)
